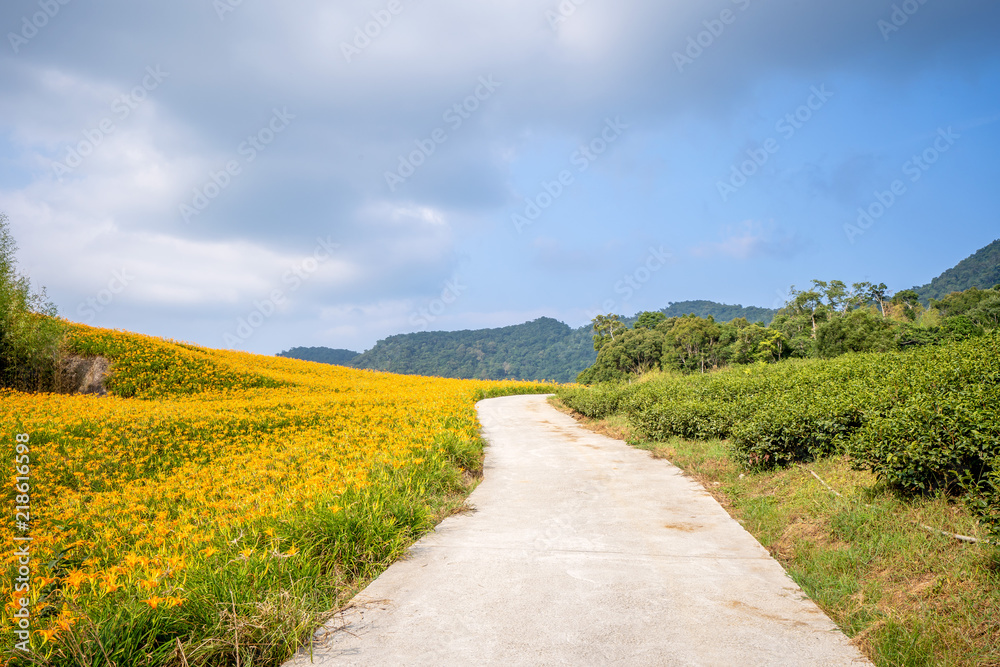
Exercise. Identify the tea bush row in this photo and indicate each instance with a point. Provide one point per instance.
(922, 420)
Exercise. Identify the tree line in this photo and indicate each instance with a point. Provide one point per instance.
(825, 321)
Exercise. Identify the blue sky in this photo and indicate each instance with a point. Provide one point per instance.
(263, 177)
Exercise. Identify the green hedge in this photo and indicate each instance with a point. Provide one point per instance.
(922, 421)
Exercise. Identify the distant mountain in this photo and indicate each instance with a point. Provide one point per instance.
(323, 355)
(720, 311)
(547, 349)
(544, 349)
(980, 270)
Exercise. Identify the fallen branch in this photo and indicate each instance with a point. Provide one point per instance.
(961, 538)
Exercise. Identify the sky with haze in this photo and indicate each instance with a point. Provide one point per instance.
(259, 176)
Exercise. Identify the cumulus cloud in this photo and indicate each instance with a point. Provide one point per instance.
(357, 111)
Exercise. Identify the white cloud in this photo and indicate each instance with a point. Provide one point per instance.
(324, 176)
(752, 240)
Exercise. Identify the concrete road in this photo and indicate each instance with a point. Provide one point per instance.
(581, 551)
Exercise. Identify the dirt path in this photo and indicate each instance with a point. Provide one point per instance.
(582, 551)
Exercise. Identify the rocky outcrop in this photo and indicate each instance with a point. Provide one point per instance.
(82, 375)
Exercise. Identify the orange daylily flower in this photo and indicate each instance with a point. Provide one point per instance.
(155, 601)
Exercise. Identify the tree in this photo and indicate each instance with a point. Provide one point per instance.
(835, 293)
(858, 331)
(799, 319)
(634, 352)
(746, 342)
(649, 320)
(693, 343)
(961, 327)
(772, 347)
(987, 313)
(961, 303)
(877, 293)
(606, 328)
(808, 302)
(29, 333)
(906, 304)
(858, 296)
(970, 311)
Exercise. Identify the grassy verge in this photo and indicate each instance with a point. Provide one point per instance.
(904, 595)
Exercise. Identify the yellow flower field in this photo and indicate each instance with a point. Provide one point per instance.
(218, 492)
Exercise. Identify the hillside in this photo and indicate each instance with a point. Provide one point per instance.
(218, 480)
(981, 270)
(323, 355)
(542, 349)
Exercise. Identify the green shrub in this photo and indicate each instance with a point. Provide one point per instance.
(923, 420)
(694, 420)
(594, 402)
(945, 433)
(788, 433)
(29, 333)
(931, 442)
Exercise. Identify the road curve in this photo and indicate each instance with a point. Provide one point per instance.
(581, 551)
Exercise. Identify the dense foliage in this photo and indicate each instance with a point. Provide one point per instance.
(981, 270)
(825, 321)
(29, 332)
(323, 355)
(719, 311)
(923, 419)
(544, 349)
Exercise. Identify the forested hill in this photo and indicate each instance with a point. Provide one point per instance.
(544, 349)
(323, 355)
(981, 270)
(721, 312)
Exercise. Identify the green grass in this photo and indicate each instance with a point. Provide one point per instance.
(904, 595)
